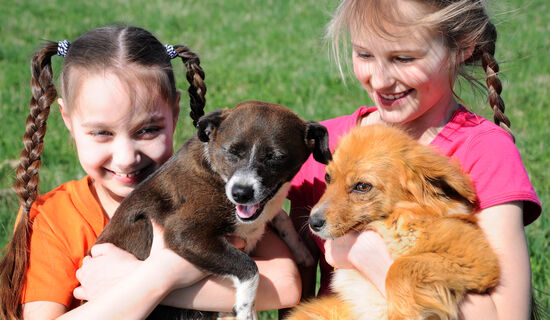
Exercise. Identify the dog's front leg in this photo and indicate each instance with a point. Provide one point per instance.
(199, 241)
(285, 228)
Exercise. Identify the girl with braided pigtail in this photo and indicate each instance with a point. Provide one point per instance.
(119, 101)
(26, 184)
(407, 55)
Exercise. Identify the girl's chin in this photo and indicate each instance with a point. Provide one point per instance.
(117, 194)
(392, 116)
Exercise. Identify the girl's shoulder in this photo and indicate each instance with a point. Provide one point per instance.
(71, 203)
(469, 131)
(489, 155)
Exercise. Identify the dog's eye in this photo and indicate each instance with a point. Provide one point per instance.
(231, 155)
(327, 178)
(276, 157)
(362, 187)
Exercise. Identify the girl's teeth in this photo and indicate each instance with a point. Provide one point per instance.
(393, 96)
(128, 175)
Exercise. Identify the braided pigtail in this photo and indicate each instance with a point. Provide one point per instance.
(14, 264)
(195, 76)
(494, 86)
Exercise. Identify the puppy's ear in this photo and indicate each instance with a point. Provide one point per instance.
(317, 140)
(208, 124)
(442, 177)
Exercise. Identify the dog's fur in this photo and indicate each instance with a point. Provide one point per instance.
(230, 178)
(422, 205)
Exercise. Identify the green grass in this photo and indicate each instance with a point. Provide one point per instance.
(267, 50)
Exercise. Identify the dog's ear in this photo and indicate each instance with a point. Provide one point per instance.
(441, 176)
(208, 123)
(317, 140)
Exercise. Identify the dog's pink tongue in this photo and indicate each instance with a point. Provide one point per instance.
(246, 212)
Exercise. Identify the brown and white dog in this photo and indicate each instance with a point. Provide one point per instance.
(423, 206)
(230, 178)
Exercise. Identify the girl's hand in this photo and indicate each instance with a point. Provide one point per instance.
(236, 241)
(365, 251)
(337, 251)
(101, 271)
(109, 264)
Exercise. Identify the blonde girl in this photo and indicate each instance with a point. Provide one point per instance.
(407, 55)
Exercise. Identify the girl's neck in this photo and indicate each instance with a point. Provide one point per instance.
(108, 201)
(424, 128)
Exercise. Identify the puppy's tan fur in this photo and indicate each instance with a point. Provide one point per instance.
(422, 204)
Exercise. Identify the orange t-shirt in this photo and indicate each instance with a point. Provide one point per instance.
(66, 223)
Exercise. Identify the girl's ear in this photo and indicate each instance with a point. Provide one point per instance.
(65, 115)
(465, 53)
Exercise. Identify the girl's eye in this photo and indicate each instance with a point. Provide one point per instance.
(98, 133)
(363, 55)
(148, 132)
(404, 59)
(362, 187)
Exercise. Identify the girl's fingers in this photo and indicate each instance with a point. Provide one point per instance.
(78, 293)
(236, 241)
(158, 237)
(101, 249)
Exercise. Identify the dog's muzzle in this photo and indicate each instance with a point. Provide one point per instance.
(316, 222)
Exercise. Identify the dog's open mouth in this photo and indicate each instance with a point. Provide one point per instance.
(246, 212)
(253, 211)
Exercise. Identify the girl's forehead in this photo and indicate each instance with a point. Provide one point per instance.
(390, 20)
(106, 88)
(397, 38)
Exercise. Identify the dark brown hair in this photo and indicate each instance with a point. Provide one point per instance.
(462, 24)
(133, 54)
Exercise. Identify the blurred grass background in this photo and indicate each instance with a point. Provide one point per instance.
(268, 50)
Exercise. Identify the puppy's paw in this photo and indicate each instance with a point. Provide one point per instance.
(284, 227)
(302, 256)
(244, 312)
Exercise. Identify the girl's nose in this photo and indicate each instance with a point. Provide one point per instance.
(381, 76)
(125, 153)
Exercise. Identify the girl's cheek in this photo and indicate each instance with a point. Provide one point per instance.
(92, 154)
(415, 76)
(92, 158)
(160, 148)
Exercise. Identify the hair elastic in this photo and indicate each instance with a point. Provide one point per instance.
(172, 53)
(62, 47)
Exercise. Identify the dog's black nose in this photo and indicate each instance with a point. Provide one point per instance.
(316, 222)
(242, 193)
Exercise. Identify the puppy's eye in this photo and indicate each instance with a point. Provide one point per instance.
(362, 187)
(327, 178)
(276, 157)
(232, 154)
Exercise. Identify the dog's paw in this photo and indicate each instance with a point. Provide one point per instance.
(284, 227)
(244, 312)
(303, 257)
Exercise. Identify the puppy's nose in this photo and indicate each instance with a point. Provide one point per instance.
(242, 193)
(316, 222)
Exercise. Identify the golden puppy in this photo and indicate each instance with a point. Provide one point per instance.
(422, 204)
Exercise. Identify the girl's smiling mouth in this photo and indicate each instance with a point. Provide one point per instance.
(390, 98)
(130, 177)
